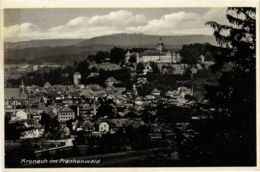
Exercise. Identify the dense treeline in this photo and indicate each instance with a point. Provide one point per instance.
(191, 53)
(228, 138)
(115, 55)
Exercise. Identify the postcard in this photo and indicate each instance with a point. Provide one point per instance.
(129, 85)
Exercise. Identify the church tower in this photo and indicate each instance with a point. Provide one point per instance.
(22, 88)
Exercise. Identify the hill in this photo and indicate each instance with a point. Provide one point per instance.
(60, 50)
(147, 40)
(42, 43)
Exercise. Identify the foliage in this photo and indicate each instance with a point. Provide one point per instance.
(101, 56)
(155, 68)
(230, 137)
(132, 59)
(192, 52)
(106, 109)
(140, 68)
(165, 82)
(117, 55)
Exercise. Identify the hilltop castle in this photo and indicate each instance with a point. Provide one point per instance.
(158, 55)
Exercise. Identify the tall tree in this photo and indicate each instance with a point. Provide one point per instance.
(232, 138)
(117, 55)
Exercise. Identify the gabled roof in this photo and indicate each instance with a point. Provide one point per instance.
(111, 79)
(66, 109)
(156, 90)
(77, 73)
(47, 84)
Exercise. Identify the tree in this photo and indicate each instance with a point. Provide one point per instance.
(140, 68)
(192, 52)
(106, 109)
(231, 135)
(45, 121)
(117, 55)
(13, 131)
(100, 56)
(155, 68)
(132, 59)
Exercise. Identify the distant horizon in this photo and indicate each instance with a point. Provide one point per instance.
(104, 36)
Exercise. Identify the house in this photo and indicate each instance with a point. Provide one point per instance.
(75, 95)
(156, 92)
(47, 85)
(139, 101)
(87, 93)
(184, 91)
(119, 124)
(15, 96)
(51, 110)
(35, 101)
(110, 81)
(104, 127)
(171, 94)
(141, 80)
(88, 126)
(149, 97)
(24, 68)
(93, 74)
(20, 115)
(155, 136)
(34, 129)
(87, 111)
(65, 114)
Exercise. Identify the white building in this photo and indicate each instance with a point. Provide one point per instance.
(103, 127)
(157, 55)
(20, 115)
(66, 114)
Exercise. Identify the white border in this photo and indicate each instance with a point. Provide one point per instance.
(124, 4)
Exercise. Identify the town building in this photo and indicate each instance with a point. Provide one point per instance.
(110, 81)
(65, 114)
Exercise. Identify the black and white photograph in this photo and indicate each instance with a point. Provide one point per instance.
(130, 87)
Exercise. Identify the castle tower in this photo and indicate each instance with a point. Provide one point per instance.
(127, 56)
(160, 45)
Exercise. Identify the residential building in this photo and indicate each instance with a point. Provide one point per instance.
(65, 114)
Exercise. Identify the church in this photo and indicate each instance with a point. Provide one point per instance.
(157, 55)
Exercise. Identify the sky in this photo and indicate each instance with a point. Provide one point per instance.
(84, 23)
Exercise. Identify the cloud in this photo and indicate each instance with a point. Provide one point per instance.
(119, 18)
(20, 32)
(175, 23)
(121, 21)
